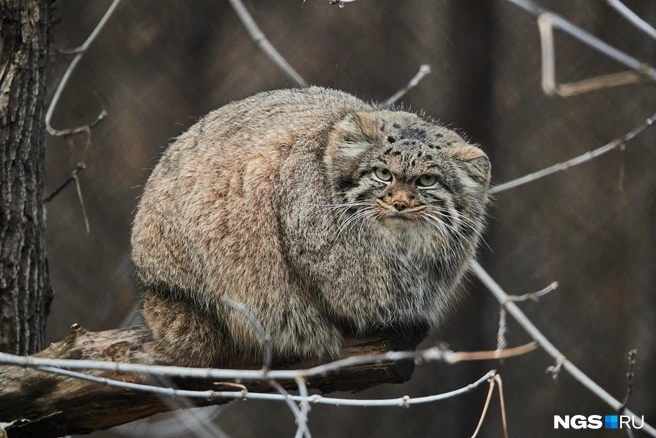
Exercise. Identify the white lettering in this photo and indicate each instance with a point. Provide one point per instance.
(560, 422)
(579, 422)
(642, 422)
(594, 422)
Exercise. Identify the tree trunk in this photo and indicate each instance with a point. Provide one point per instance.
(25, 290)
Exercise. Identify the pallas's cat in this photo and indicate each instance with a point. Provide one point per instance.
(316, 211)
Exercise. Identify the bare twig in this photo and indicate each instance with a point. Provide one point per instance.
(485, 406)
(431, 354)
(533, 296)
(261, 40)
(554, 369)
(629, 432)
(502, 405)
(296, 412)
(302, 418)
(632, 17)
(502, 330)
(546, 24)
(493, 380)
(78, 168)
(284, 396)
(547, 346)
(617, 143)
(340, 3)
(423, 71)
(73, 178)
(267, 347)
(630, 375)
(80, 51)
(84, 210)
(551, 20)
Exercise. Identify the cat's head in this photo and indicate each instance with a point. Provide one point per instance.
(399, 171)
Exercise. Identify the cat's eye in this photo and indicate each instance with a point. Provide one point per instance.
(383, 174)
(426, 180)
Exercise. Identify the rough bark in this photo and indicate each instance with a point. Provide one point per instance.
(47, 405)
(25, 290)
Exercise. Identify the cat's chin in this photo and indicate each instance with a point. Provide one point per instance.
(399, 221)
(399, 216)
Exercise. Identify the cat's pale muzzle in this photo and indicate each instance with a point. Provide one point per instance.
(399, 209)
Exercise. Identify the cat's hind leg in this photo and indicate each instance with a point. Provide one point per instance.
(186, 334)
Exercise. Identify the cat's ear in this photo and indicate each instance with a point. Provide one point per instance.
(477, 163)
(351, 136)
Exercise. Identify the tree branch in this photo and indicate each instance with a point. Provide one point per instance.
(36, 403)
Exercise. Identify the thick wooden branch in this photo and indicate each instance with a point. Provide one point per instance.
(40, 404)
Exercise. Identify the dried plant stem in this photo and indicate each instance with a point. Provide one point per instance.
(485, 406)
(423, 71)
(615, 144)
(551, 19)
(78, 168)
(261, 40)
(79, 51)
(547, 346)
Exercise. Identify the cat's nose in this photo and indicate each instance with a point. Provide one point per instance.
(400, 205)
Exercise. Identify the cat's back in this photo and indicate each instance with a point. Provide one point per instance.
(266, 122)
(216, 184)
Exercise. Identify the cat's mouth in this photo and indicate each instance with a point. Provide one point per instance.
(397, 211)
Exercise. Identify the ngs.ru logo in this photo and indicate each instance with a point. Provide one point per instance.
(598, 422)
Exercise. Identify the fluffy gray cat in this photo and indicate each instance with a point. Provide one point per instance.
(318, 212)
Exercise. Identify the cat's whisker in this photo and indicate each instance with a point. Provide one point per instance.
(368, 217)
(350, 220)
(343, 205)
(458, 238)
(438, 224)
(345, 208)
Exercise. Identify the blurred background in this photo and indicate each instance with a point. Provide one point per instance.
(159, 66)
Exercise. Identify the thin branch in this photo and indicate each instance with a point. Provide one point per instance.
(423, 71)
(302, 419)
(502, 404)
(78, 168)
(547, 346)
(284, 396)
(340, 3)
(261, 40)
(502, 330)
(80, 51)
(546, 24)
(554, 369)
(267, 346)
(617, 143)
(79, 197)
(485, 406)
(632, 17)
(533, 296)
(405, 400)
(296, 412)
(586, 38)
(431, 354)
(630, 375)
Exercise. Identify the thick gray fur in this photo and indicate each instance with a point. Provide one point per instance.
(277, 202)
